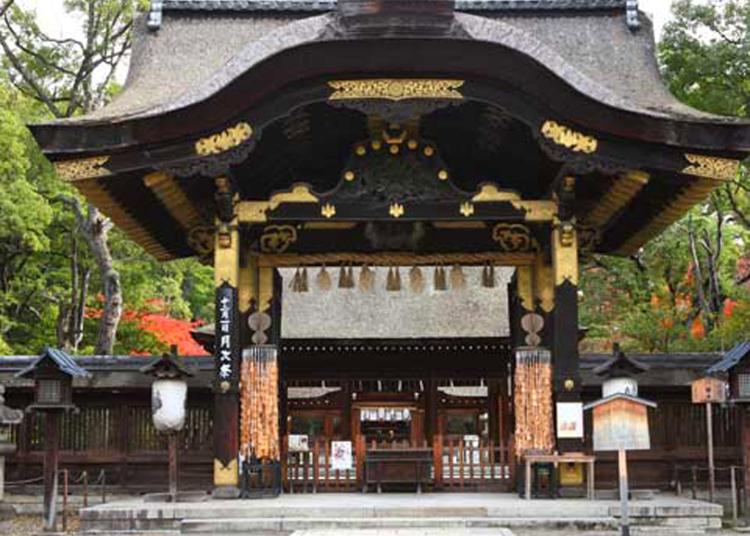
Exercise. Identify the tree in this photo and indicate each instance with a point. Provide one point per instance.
(70, 76)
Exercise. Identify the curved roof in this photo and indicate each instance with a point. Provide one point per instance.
(586, 43)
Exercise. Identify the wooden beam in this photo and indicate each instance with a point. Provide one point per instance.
(397, 259)
(623, 191)
(167, 189)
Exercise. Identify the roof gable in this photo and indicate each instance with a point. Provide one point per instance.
(64, 362)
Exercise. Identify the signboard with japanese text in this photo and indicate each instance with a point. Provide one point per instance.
(569, 420)
(227, 345)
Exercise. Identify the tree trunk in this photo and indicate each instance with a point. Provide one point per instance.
(97, 231)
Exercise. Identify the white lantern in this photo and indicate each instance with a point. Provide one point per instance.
(168, 399)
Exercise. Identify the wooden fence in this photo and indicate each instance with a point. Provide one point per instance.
(480, 466)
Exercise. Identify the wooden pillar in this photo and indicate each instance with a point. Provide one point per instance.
(51, 457)
(227, 360)
(430, 410)
(493, 410)
(564, 249)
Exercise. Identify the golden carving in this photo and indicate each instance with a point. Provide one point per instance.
(712, 167)
(565, 253)
(513, 237)
(82, 168)
(489, 192)
(277, 238)
(537, 210)
(225, 140)
(396, 89)
(201, 239)
(525, 287)
(328, 210)
(226, 475)
(569, 138)
(467, 209)
(252, 211)
(396, 210)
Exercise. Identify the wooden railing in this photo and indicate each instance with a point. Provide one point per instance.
(480, 465)
(456, 466)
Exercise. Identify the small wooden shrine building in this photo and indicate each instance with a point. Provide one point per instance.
(421, 136)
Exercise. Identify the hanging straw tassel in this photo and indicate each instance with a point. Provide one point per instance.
(342, 277)
(488, 276)
(350, 277)
(366, 279)
(297, 281)
(458, 279)
(393, 283)
(304, 285)
(416, 280)
(440, 282)
(323, 280)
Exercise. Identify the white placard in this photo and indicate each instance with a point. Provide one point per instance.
(299, 443)
(341, 455)
(570, 420)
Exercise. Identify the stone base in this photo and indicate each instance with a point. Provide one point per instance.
(226, 492)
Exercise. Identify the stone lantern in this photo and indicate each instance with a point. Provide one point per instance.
(8, 418)
(168, 402)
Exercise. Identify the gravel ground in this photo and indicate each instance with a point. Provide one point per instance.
(28, 525)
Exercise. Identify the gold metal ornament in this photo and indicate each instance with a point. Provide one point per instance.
(349, 176)
(490, 192)
(443, 175)
(712, 167)
(395, 89)
(397, 210)
(513, 237)
(82, 168)
(466, 209)
(226, 475)
(328, 210)
(277, 238)
(569, 138)
(225, 140)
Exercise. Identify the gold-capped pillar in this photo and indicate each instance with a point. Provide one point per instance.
(227, 350)
(567, 378)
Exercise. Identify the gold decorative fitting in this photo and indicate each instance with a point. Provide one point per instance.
(396, 210)
(300, 193)
(412, 144)
(429, 151)
(467, 209)
(226, 475)
(82, 168)
(225, 239)
(565, 253)
(513, 237)
(712, 167)
(567, 234)
(349, 176)
(277, 238)
(225, 140)
(328, 210)
(396, 89)
(490, 192)
(569, 138)
(569, 384)
(376, 145)
(394, 149)
(443, 175)
(361, 150)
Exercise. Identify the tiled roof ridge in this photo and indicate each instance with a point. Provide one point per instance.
(159, 6)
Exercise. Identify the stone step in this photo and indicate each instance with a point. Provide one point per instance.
(291, 524)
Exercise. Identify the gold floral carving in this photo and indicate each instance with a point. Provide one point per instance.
(82, 168)
(328, 210)
(513, 237)
(712, 167)
(569, 138)
(226, 475)
(396, 210)
(224, 141)
(396, 89)
(466, 209)
(277, 238)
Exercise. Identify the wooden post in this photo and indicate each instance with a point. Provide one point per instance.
(565, 359)
(622, 465)
(227, 360)
(51, 457)
(437, 460)
(733, 476)
(710, 439)
(173, 445)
